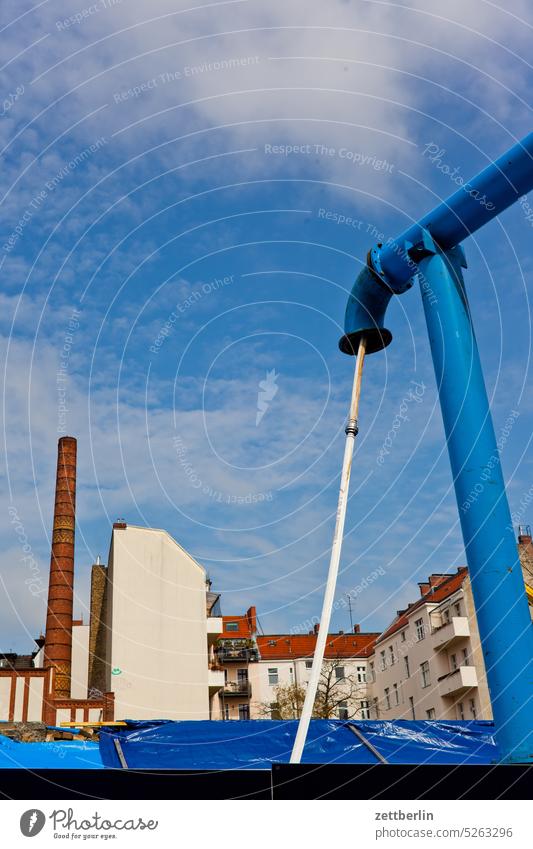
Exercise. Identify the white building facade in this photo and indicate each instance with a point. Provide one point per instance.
(157, 633)
(285, 660)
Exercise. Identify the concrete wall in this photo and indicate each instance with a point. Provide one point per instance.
(80, 661)
(156, 628)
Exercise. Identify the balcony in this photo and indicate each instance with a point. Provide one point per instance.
(236, 655)
(215, 677)
(444, 636)
(458, 682)
(237, 688)
(214, 629)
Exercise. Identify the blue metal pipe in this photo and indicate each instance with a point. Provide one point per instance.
(478, 201)
(365, 314)
(503, 617)
(431, 250)
(392, 267)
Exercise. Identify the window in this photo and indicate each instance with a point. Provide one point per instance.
(361, 675)
(460, 711)
(402, 636)
(242, 677)
(412, 706)
(232, 626)
(392, 656)
(372, 674)
(342, 709)
(376, 706)
(339, 673)
(273, 677)
(430, 714)
(387, 698)
(244, 711)
(365, 710)
(420, 631)
(453, 662)
(406, 661)
(308, 664)
(226, 711)
(383, 662)
(473, 708)
(396, 694)
(466, 661)
(457, 608)
(446, 616)
(424, 671)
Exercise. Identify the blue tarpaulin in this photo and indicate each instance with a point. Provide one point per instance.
(256, 744)
(64, 754)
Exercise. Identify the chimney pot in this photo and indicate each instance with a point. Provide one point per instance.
(357, 629)
(524, 534)
(316, 628)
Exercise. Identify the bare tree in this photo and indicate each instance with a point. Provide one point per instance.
(289, 700)
(338, 695)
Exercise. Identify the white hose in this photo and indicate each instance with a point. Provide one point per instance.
(327, 605)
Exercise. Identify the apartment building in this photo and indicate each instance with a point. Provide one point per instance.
(235, 654)
(286, 659)
(428, 663)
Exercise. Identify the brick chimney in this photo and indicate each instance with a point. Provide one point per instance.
(251, 616)
(357, 629)
(58, 638)
(316, 628)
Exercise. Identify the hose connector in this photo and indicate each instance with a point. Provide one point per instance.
(352, 427)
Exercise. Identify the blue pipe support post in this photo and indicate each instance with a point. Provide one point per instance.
(430, 249)
(503, 617)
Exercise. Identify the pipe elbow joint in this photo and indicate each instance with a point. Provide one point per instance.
(365, 312)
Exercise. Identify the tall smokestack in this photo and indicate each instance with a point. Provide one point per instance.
(58, 641)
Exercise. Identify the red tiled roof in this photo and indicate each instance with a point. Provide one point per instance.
(243, 631)
(442, 588)
(287, 646)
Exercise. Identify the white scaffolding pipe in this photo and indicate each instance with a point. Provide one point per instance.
(318, 658)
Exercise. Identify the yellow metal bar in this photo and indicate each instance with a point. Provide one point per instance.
(92, 724)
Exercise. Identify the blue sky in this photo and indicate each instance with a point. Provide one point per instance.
(174, 183)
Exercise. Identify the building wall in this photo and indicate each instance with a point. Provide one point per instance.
(97, 637)
(80, 661)
(21, 695)
(156, 628)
